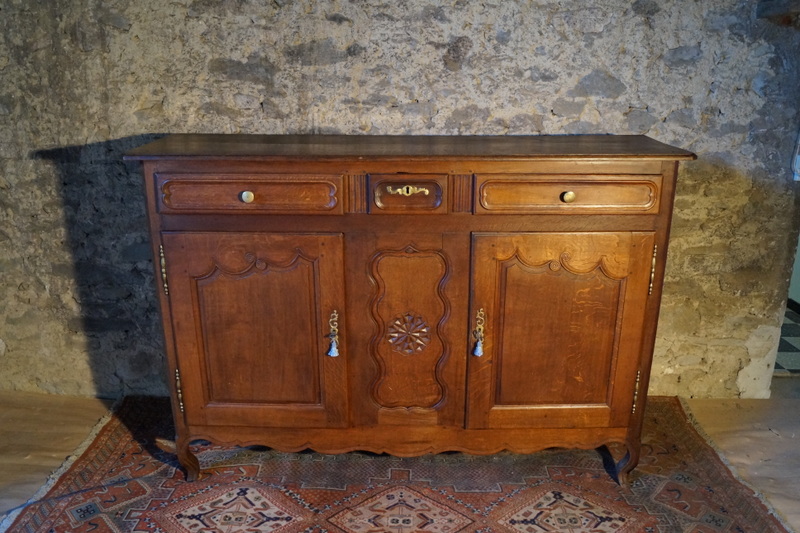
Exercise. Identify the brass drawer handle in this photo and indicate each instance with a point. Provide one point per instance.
(407, 190)
(247, 196)
(568, 197)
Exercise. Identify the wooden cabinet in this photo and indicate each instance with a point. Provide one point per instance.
(409, 295)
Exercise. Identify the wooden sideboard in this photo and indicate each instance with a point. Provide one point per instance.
(409, 294)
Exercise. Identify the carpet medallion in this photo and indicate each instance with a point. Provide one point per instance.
(123, 483)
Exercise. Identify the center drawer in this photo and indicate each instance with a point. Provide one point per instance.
(408, 193)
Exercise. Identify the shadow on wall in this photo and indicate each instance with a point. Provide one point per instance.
(106, 223)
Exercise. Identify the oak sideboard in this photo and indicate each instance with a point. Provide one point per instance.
(409, 294)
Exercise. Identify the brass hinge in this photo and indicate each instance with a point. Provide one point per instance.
(163, 268)
(178, 389)
(636, 391)
(653, 270)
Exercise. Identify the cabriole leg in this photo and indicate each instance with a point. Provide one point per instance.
(188, 460)
(619, 470)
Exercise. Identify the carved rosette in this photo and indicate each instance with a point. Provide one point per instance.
(409, 334)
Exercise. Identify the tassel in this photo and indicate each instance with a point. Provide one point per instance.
(333, 351)
(478, 351)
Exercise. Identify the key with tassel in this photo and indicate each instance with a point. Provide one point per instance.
(333, 322)
(480, 323)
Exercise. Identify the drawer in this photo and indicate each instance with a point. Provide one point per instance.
(300, 194)
(408, 193)
(601, 194)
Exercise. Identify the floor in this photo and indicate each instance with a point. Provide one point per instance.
(788, 361)
(757, 438)
(761, 441)
(37, 433)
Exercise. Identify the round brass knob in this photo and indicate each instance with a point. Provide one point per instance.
(568, 197)
(247, 197)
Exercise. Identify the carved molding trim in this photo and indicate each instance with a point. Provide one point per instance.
(564, 261)
(254, 262)
(461, 193)
(357, 197)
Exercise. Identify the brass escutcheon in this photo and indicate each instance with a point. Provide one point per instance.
(407, 190)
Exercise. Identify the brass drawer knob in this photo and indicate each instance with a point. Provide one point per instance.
(247, 196)
(568, 197)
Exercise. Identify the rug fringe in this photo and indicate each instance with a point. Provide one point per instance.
(687, 411)
(54, 476)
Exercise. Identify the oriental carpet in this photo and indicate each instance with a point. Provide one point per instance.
(123, 482)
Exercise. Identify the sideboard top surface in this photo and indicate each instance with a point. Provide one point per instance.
(387, 147)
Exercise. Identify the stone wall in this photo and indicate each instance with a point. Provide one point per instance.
(81, 81)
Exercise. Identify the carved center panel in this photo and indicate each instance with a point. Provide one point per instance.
(409, 334)
(408, 347)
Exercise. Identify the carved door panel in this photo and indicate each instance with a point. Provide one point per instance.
(563, 328)
(251, 326)
(410, 369)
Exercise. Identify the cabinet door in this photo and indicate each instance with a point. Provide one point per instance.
(250, 317)
(563, 328)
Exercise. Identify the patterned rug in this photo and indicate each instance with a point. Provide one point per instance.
(123, 482)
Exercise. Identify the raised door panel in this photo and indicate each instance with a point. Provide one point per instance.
(563, 334)
(251, 323)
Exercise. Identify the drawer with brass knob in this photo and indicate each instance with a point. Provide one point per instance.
(606, 194)
(261, 193)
